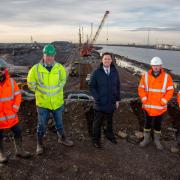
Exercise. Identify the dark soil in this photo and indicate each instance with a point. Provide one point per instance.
(126, 160)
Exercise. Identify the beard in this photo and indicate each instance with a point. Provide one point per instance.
(2, 77)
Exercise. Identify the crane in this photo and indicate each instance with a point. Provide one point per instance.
(86, 48)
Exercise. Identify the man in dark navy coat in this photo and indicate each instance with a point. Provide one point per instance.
(105, 88)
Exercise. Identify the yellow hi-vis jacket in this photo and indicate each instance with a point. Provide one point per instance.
(48, 86)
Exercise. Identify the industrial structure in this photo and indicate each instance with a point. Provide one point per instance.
(87, 47)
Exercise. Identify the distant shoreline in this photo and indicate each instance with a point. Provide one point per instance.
(139, 46)
(146, 66)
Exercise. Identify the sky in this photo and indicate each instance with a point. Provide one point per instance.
(129, 21)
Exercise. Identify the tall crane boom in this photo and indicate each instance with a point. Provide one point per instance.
(87, 47)
(99, 28)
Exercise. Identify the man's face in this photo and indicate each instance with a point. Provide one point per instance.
(156, 68)
(106, 60)
(2, 71)
(48, 59)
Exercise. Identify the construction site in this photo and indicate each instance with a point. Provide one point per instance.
(126, 160)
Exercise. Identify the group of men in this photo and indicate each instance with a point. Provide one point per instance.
(47, 79)
(155, 90)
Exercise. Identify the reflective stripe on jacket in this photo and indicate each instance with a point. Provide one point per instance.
(48, 86)
(178, 98)
(10, 100)
(155, 92)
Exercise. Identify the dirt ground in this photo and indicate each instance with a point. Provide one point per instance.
(121, 161)
(126, 160)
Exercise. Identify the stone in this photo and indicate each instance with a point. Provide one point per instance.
(122, 134)
(139, 134)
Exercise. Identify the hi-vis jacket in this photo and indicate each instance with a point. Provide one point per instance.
(155, 92)
(178, 98)
(48, 86)
(10, 100)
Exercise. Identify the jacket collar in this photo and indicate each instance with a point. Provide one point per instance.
(160, 75)
(43, 69)
(112, 67)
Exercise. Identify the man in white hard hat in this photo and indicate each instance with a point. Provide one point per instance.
(176, 147)
(155, 90)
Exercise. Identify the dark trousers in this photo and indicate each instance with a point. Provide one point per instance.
(178, 136)
(99, 118)
(15, 129)
(152, 122)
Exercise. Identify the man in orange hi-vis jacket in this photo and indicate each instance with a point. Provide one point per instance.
(178, 98)
(155, 90)
(176, 147)
(10, 100)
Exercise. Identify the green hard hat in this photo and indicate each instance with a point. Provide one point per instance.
(49, 50)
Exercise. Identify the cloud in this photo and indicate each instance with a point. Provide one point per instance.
(158, 29)
(128, 15)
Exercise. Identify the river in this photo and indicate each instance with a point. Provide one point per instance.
(171, 59)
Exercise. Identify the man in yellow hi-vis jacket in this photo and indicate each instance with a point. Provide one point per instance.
(47, 80)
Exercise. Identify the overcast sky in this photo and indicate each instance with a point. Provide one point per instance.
(128, 21)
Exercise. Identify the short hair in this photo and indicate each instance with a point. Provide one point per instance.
(107, 53)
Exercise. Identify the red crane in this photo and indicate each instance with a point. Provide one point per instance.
(87, 48)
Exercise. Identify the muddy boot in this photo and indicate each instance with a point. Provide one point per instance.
(63, 140)
(19, 151)
(175, 149)
(146, 139)
(3, 158)
(40, 147)
(157, 141)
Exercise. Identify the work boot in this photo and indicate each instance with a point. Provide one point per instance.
(63, 140)
(19, 151)
(97, 145)
(40, 148)
(3, 158)
(146, 139)
(110, 137)
(175, 149)
(157, 141)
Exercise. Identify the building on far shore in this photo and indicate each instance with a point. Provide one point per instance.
(167, 46)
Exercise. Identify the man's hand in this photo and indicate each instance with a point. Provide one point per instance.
(117, 104)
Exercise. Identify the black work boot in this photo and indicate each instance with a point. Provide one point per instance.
(97, 144)
(40, 147)
(19, 151)
(63, 139)
(110, 137)
(3, 158)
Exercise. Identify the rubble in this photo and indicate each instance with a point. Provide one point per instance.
(122, 134)
(124, 160)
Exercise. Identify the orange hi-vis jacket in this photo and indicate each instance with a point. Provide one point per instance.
(10, 100)
(155, 92)
(178, 98)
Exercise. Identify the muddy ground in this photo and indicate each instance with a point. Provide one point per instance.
(126, 160)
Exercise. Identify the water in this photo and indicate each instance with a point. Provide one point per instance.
(171, 59)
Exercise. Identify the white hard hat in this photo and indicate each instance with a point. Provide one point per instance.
(156, 61)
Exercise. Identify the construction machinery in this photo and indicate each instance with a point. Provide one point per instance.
(74, 69)
(86, 48)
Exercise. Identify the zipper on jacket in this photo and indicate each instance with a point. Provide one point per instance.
(50, 90)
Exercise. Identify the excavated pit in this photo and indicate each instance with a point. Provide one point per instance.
(124, 160)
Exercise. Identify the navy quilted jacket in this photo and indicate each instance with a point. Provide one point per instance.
(105, 89)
